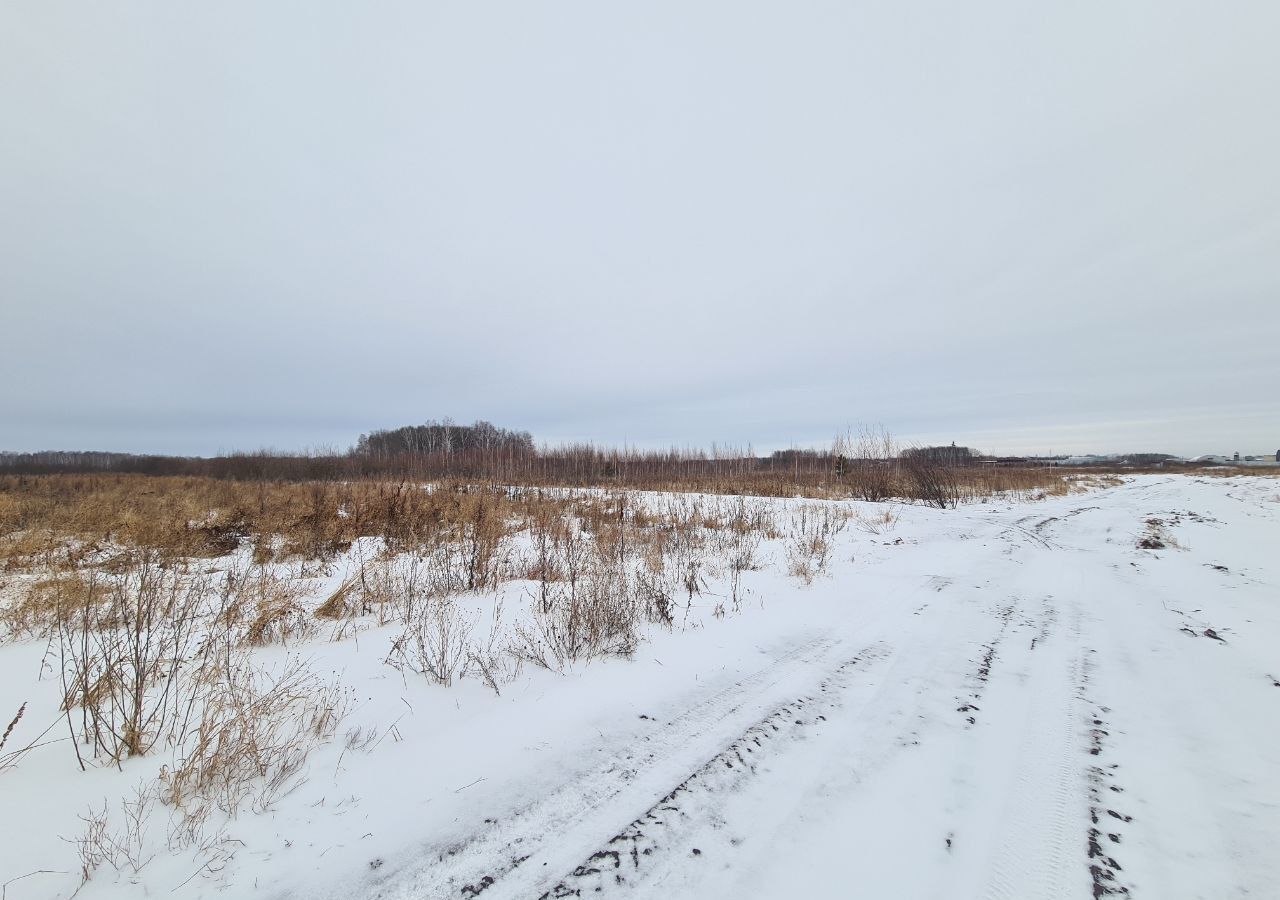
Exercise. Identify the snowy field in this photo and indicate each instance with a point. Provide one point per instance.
(1071, 697)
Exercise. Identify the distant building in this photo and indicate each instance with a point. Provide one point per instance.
(1261, 459)
(1214, 459)
(1012, 462)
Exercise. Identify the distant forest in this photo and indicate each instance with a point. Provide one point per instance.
(444, 438)
(444, 449)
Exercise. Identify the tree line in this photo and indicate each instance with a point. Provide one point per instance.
(484, 451)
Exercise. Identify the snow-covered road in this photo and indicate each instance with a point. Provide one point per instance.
(1013, 702)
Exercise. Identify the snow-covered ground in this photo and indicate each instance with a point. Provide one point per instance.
(1007, 700)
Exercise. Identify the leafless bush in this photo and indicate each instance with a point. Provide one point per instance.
(491, 660)
(867, 463)
(656, 598)
(595, 615)
(392, 588)
(435, 640)
(742, 559)
(121, 662)
(934, 482)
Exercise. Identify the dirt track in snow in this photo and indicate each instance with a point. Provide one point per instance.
(1047, 711)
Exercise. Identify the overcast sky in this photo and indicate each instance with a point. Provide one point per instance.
(1021, 226)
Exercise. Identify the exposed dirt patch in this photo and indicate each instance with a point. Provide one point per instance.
(1159, 535)
(1045, 523)
(1048, 618)
(1205, 632)
(982, 673)
(1106, 822)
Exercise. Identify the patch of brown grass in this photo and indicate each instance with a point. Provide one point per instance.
(37, 611)
(340, 603)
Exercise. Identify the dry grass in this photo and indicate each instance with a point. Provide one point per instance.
(813, 532)
(74, 520)
(155, 657)
(601, 562)
(278, 612)
(10, 759)
(880, 522)
(35, 612)
(254, 732)
(340, 604)
(246, 748)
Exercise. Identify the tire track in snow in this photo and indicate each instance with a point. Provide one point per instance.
(1037, 851)
(554, 832)
(685, 809)
(873, 725)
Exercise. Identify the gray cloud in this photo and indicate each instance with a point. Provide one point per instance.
(1028, 228)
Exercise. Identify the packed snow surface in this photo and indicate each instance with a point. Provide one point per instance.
(1006, 700)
